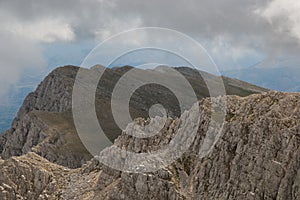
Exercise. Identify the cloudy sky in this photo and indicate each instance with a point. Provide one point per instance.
(37, 35)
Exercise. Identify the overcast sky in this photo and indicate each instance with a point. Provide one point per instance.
(236, 33)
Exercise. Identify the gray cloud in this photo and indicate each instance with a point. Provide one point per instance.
(240, 22)
(247, 27)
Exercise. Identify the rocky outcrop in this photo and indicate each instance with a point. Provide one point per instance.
(52, 95)
(50, 135)
(44, 123)
(29, 177)
(256, 157)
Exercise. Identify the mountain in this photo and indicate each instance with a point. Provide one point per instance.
(44, 123)
(276, 78)
(256, 157)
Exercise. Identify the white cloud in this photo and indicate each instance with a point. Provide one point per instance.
(45, 30)
(284, 16)
(20, 49)
(17, 54)
(230, 57)
(115, 26)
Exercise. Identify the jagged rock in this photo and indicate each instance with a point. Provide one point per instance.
(52, 95)
(256, 157)
(29, 177)
(44, 123)
(51, 135)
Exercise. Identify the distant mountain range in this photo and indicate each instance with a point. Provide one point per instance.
(277, 78)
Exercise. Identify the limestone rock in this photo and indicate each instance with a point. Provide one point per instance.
(44, 122)
(256, 157)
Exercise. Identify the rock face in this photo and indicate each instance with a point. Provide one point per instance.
(53, 94)
(44, 123)
(50, 135)
(256, 157)
(36, 126)
(29, 177)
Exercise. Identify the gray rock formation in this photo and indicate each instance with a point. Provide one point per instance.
(44, 123)
(52, 95)
(40, 127)
(256, 157)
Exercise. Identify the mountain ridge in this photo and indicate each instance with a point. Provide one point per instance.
(256, 157)
(53, 95)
